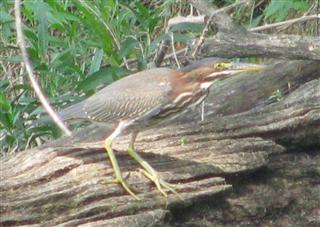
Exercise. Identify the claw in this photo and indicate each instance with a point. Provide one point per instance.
(150, 173)
(125, 186)
(119, 179)
(155, 179)
(160, 183)
(147, 170)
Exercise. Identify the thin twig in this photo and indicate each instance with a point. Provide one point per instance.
(206, 28)
(174, 51)
(170, 55)
(178, 52)
(202, 110)
(285, 23)
(29, 68)
(181, 19)
(318, 23)
(158, 59)
(162, 50)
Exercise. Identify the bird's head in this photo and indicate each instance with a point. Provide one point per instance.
(207, 75)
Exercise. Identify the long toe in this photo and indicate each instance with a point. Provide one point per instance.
(161, 184)
(170, 187)
(124, 185)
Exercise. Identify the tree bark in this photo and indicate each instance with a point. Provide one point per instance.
(253, 126)
(66, 181)
(233, 44)
(233, 40)
(284, 193)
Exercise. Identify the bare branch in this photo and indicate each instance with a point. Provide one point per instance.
(246, 44)
(189, 19)
(171, 23)
(174, 51)
(219, 18)
(286, 23)
(206, 29)
(22, 44)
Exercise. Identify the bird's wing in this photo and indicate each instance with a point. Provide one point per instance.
(130, 97)
(73, 112)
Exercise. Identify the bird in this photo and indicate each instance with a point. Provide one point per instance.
(145, 100)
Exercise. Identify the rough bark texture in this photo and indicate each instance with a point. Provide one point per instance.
(284, 193)
(246, 44)
(233, 40)
(65, 182)
(260, 138)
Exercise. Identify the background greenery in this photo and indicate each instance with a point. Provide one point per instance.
(79, 46)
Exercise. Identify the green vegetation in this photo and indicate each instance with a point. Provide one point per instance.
(78, 46)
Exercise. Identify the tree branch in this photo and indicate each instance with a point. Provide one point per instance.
(286, 23)
(251, 44)
(44, 101)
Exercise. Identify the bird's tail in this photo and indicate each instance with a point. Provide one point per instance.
(73, 112)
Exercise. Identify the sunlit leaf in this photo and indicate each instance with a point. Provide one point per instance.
(128, 45)
(4, 103)
(96, 61)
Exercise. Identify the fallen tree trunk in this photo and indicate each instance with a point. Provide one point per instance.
(252, 44)
(233, 40)
(65, 182)
(284, 193)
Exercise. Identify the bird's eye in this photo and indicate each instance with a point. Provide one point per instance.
(222, 65)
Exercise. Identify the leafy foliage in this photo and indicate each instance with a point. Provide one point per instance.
(279, 10)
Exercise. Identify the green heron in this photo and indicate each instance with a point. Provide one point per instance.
(146, 99)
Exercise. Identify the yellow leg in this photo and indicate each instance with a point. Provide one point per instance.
(118, 176)
(150, 172)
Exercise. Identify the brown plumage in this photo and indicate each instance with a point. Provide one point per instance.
(145, 99)
(143, 95)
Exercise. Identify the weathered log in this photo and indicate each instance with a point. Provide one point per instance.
(252, 44)
(284, 193)
(66, 183)
(245, 91)
(233, 40)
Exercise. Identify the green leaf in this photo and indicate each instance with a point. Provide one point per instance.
(62, 58)
(255, 21)
(41, 11)
(279, 10)
(4, 103)
(12, 59)
(96, 61)
(154, 44)
(187, 27)
(127, 46)
(182, 38)
(4, 84)
(5, 17)
(6, 115)
(65, 17)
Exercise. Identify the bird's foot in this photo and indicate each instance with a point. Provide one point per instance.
(123, 183)
(150, 173)
(118, 176)
(160, 183)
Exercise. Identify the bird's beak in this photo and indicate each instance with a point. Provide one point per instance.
(245, 67)
(228, 69)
